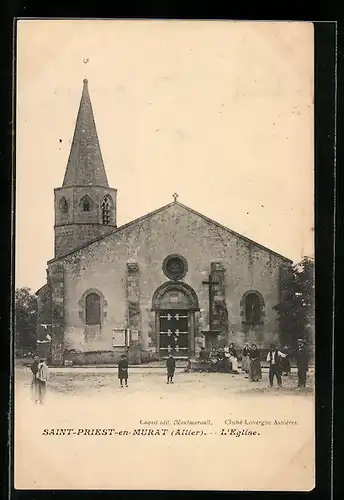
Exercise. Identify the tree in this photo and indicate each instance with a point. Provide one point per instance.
(25, 319)
(296, 309)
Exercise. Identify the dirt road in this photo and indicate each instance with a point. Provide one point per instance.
(91, 399)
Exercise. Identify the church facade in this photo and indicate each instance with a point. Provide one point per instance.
(171, 280)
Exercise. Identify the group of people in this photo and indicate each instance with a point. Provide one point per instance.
(226, 360)
(279, 363)
(277, 358)
(40, 374)
(221, 360)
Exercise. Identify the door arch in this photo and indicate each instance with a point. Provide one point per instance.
(175, 304)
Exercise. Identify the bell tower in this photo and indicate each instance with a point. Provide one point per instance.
(85, 205)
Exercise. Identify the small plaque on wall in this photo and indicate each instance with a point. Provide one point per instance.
(134, 335)
(119, 337)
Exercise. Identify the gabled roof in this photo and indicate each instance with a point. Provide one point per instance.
(85, 165)
(161, 209)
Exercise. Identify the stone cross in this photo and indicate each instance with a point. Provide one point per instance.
(210, 282)
(175, 196)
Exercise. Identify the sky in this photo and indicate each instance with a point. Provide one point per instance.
(220, 112)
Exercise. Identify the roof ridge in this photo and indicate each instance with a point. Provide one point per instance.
(249, 240)
(142, 217)
(164, 207)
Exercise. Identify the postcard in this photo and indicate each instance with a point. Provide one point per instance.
(164, 303)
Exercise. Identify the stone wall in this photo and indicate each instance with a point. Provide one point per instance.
(56, 284)
(238, 264)
(72, 236)
(76, 227)
(134, 311)
(218, 301)
(81, 358)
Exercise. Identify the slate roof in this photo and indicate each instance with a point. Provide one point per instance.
(85, 165)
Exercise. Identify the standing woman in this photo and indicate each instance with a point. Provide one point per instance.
(245, 363)
(255, 368)
(34, 383)
(213, 359)
(42, 377)
(233, 358)
(227, 355)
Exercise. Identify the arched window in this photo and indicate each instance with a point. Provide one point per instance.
(107, 210)
(253, 309)
(63, 205)
(93, 312)
(86, 203)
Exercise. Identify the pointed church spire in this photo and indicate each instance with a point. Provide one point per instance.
(85, 165)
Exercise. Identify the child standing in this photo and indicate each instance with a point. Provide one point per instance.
(42, 377)
(123, 370)
(171, 366)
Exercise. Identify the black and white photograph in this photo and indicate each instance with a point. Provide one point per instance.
(164, 242)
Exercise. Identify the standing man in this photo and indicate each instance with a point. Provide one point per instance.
(274, 359)
(123, 366)
(301, 363)
(171, 366)
(285, 363)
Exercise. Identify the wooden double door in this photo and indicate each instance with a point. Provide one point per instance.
(175, 332)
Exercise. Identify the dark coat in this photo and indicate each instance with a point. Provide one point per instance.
(302, 359)
(170, 365)
(254, 355)
(34, 367)
(123, 368)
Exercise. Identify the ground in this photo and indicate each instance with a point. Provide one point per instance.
(90, 398)
(89, 381)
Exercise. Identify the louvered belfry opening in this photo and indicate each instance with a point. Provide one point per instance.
(106, 211)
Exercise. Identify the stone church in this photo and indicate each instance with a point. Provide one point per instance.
(171, 280)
